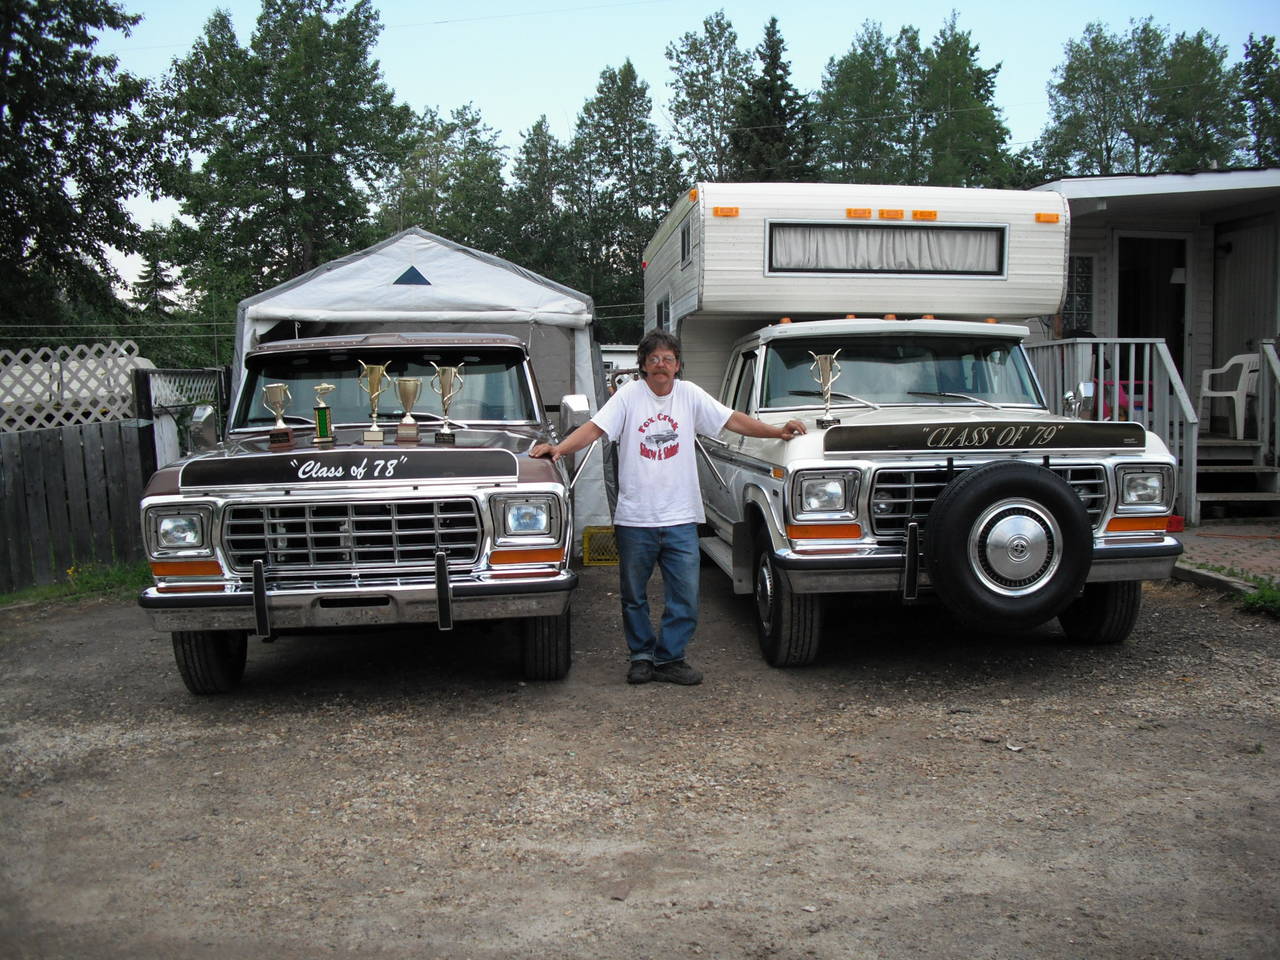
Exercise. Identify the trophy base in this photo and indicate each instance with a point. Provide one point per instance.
(825, 422)
(407, 433)
(446, 439)
(280, 439)
(323, 441)
(373, 436)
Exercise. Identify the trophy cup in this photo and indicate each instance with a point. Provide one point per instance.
(408, 388)
(448, 384)
(276, 397)
(324, 415)
(373, 377)
(826, 372)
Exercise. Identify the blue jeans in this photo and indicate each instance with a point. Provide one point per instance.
(675, 550)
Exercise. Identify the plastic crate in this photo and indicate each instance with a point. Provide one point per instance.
(599, 547)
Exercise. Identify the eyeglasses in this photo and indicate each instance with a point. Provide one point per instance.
(656, 361)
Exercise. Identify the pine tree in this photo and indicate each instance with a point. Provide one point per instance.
(276, 145)
(710, 76)
(72, 149)
(773, 135)
(1198, 104)
(1260, 84)
(540, 236)
(860, 112)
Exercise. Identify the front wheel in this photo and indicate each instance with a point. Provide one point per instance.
(210, 661)
(546, 647)
(789, 625)
(1103, 613)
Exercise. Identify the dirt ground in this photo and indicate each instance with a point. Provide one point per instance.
(919, 792)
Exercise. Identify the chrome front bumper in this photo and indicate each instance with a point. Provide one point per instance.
(265, 609)
(885, 570)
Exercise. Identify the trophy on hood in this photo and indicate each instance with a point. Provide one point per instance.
(826, 372)
(373, 378)
(408, 389)
(276, 397)
(447, 382)
(324, 415)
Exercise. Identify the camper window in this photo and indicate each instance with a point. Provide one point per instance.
(886, 248)
(686, 243)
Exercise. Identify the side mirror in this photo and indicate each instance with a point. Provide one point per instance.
(575, 410)
(204, 428)
(1078, 403)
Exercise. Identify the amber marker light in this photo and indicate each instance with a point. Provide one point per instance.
(778, 473)
(537, 555)
(858, 213)
(891, 316)
(1048, 217)
(924, 214)
(892, 214)
(186, 568)
(1137, 525)
(693, 195)
(824, 531)
(724, 211)
(784, 319)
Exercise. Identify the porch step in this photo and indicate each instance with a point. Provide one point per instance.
(1240, 496)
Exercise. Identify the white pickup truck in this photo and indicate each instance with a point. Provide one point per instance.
(932, 466)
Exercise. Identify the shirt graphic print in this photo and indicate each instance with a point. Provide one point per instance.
(659, 437)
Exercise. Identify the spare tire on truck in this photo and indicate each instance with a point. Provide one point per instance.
(1008, 545)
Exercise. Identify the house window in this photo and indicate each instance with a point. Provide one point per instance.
(1077, 310)
(686, 243)
(886, 248)
(662, 317)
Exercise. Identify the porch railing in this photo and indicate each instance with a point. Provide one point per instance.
(1127, 379)
(1269, 402)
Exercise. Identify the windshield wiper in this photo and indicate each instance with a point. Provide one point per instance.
(834, 395)
(958, 396)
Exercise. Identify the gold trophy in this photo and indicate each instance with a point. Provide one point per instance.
(448, 384)
(276, 397)
(324, 415)
(826, 372)
(373, 378)
(408, 388)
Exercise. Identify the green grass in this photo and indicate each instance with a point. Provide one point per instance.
(1265, 597)
(117, 579)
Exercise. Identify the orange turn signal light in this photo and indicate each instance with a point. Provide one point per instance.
(724, 211)
(186, 568)
(1136, 524)
(892, 214)
(527, 555)
(824, 531)
(1048, 217)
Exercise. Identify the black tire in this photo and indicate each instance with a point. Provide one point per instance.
(211, 661)
(1008, 546)
(788, 625)
(1104, 613)
(546, 647)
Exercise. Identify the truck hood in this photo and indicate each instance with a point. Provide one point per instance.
(959, 430)
(484, 456)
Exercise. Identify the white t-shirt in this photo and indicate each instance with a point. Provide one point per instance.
(657, 459)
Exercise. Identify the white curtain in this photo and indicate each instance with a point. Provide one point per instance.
(858, 248)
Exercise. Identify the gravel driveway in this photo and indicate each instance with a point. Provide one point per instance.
(919, 792)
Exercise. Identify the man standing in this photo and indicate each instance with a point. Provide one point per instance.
(655, 421)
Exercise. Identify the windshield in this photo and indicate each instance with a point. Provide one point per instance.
(880, 370)
(494, 386)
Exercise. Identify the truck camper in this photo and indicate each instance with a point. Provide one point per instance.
(881, 316)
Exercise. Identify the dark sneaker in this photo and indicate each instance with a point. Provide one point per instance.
(641, 671)
(677, 671)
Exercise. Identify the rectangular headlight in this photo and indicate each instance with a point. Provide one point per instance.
(180, 530)
(526, 518)
(1145, 488)
(825, 493)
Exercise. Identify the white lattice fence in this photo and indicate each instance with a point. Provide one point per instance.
(63, 386)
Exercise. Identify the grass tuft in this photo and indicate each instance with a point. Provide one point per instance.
(81, 582)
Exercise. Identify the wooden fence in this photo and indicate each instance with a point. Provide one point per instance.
(69, 498)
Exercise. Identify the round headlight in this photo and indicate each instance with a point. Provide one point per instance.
(822, 494)
(528, 518)
(180, 531)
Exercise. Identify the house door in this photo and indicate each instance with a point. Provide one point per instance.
(1244, 278)
(1152, 291)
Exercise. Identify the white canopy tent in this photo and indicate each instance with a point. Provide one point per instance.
(421, 282)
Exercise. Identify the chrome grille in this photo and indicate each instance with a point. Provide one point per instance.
(296, 536)
(910, 493)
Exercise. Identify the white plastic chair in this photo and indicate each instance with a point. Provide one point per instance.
(1246, 385)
